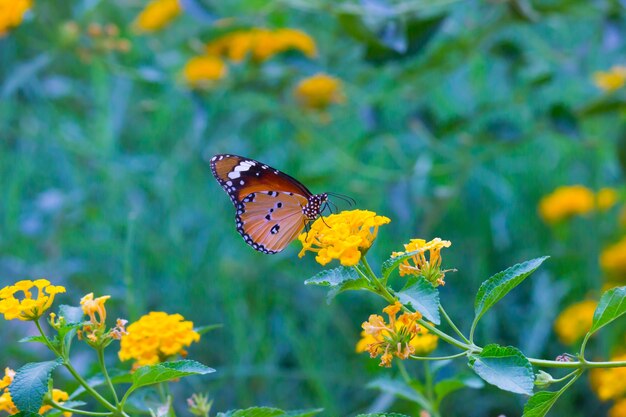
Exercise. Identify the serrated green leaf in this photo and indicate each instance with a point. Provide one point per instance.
(492, 290)
(304, 413)
(166, 371)
(612, 305)
(423, 297)
(29, 339)
(71, 314)
(505, 367)
(448, 386)
(253, 412)
(339, 280)
(30, 384)
(394, 262)
(540, 403)
(399, 389)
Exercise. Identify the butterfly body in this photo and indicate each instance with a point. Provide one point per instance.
(272, 208)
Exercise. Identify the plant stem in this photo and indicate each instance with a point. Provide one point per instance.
(565, 377)
(88, 388)
(106, 375)
(73, 410)
(438, 358)
(46, 340)
(403, 372)
(451, 323)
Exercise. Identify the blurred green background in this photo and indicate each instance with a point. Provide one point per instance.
(458, 117)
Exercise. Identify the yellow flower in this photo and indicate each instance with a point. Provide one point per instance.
(613, 258)
(424, 342)
(344, 236)
(261, 44)
(92, 307)
(618, 409)
(155, 337)
(157, 14)
(319, 91)
(202, 71)
(429, 268)
(11, 14)
(6, 402)
(26, 307)
(611, 80)
(565, 202)
(606, 198)
(574, 322)
(609, 383)
(396, 338)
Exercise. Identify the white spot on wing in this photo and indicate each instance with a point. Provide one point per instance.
(234, 174)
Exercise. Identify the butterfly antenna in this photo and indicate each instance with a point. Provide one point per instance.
(351, 201)
(334, 205)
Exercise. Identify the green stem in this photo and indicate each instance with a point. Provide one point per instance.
(75, 411)
(46, 340)
(438, 358)
(107, 378)
(403, 372)
(89, 389)
(565, 377)
(451, 323)
(583, 346)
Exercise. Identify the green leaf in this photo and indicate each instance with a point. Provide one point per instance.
(29, 339)
(30, 384)
(612, 305)
(448, 386)
(399, 389)
(540, 403)
(71, 314)
(423, 297)
(339, 280)
(205, 329)
(26, 414)
(505, 367)
(166, 371)
(304, 413)
(499, 285)
(394, 262)
(253, 412)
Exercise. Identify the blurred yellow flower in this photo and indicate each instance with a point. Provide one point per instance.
(202, 71)
(565, 202)
(319, 91)
(574, 322)
(344, 236)
(155, 337)
(11, 13)
(157, 14)
(613, 258)
(611, 80)
(618, 409)
(429, 268)
(94, 308)
(261, 44)
(6, 402)
(396, 338)
(606, 198)
(609, 383)
(26, 307)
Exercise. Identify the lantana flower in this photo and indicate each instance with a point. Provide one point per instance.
(575, 321)
(157, 15)
(203, 71)
(396, 338)
(18, 301)
(613, 258)
(345, 236)
(611, 80)
(157, 336)
(419, 264)
(573, 200)
(609, 383)
(11, 14)
(319, 91)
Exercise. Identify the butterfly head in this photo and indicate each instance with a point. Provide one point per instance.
(313, 208)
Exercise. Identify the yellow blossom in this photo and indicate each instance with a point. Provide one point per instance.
(396, 338)
(606, 198)
(157, 14)
(319, 91)
(17, 302)
(261, 44)
(618, 409)
(58, 397)
(565, 202)
(11, 13)
(344, 236)
(611, 80)
(202, 71)
(613, 258)
(6, 402)
(609, 383)
(155, 337)
(575, 321)
(94, 308)
(429, 268)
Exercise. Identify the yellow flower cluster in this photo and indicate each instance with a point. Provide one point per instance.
(319, 91)
(344, 236)
(11, 13)
(575, 321)
(157, 14)
(613, 258)
(261, 44)
(203, 70)
(155, 337)
(429, 268)
(6, 402)
(609, 383)
(397, 338)
(568, 201)
(611, 80)
(25, 307)
(618, 409)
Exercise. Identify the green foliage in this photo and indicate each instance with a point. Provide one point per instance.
(540, 403)
(422, 296)
(339, 280)
(611, 306)
(393, 263)
(30, 384)
(505, 367)
(270, 412)
(400, 389)
(166, 371)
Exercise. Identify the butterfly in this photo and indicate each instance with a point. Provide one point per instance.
(272, 207)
